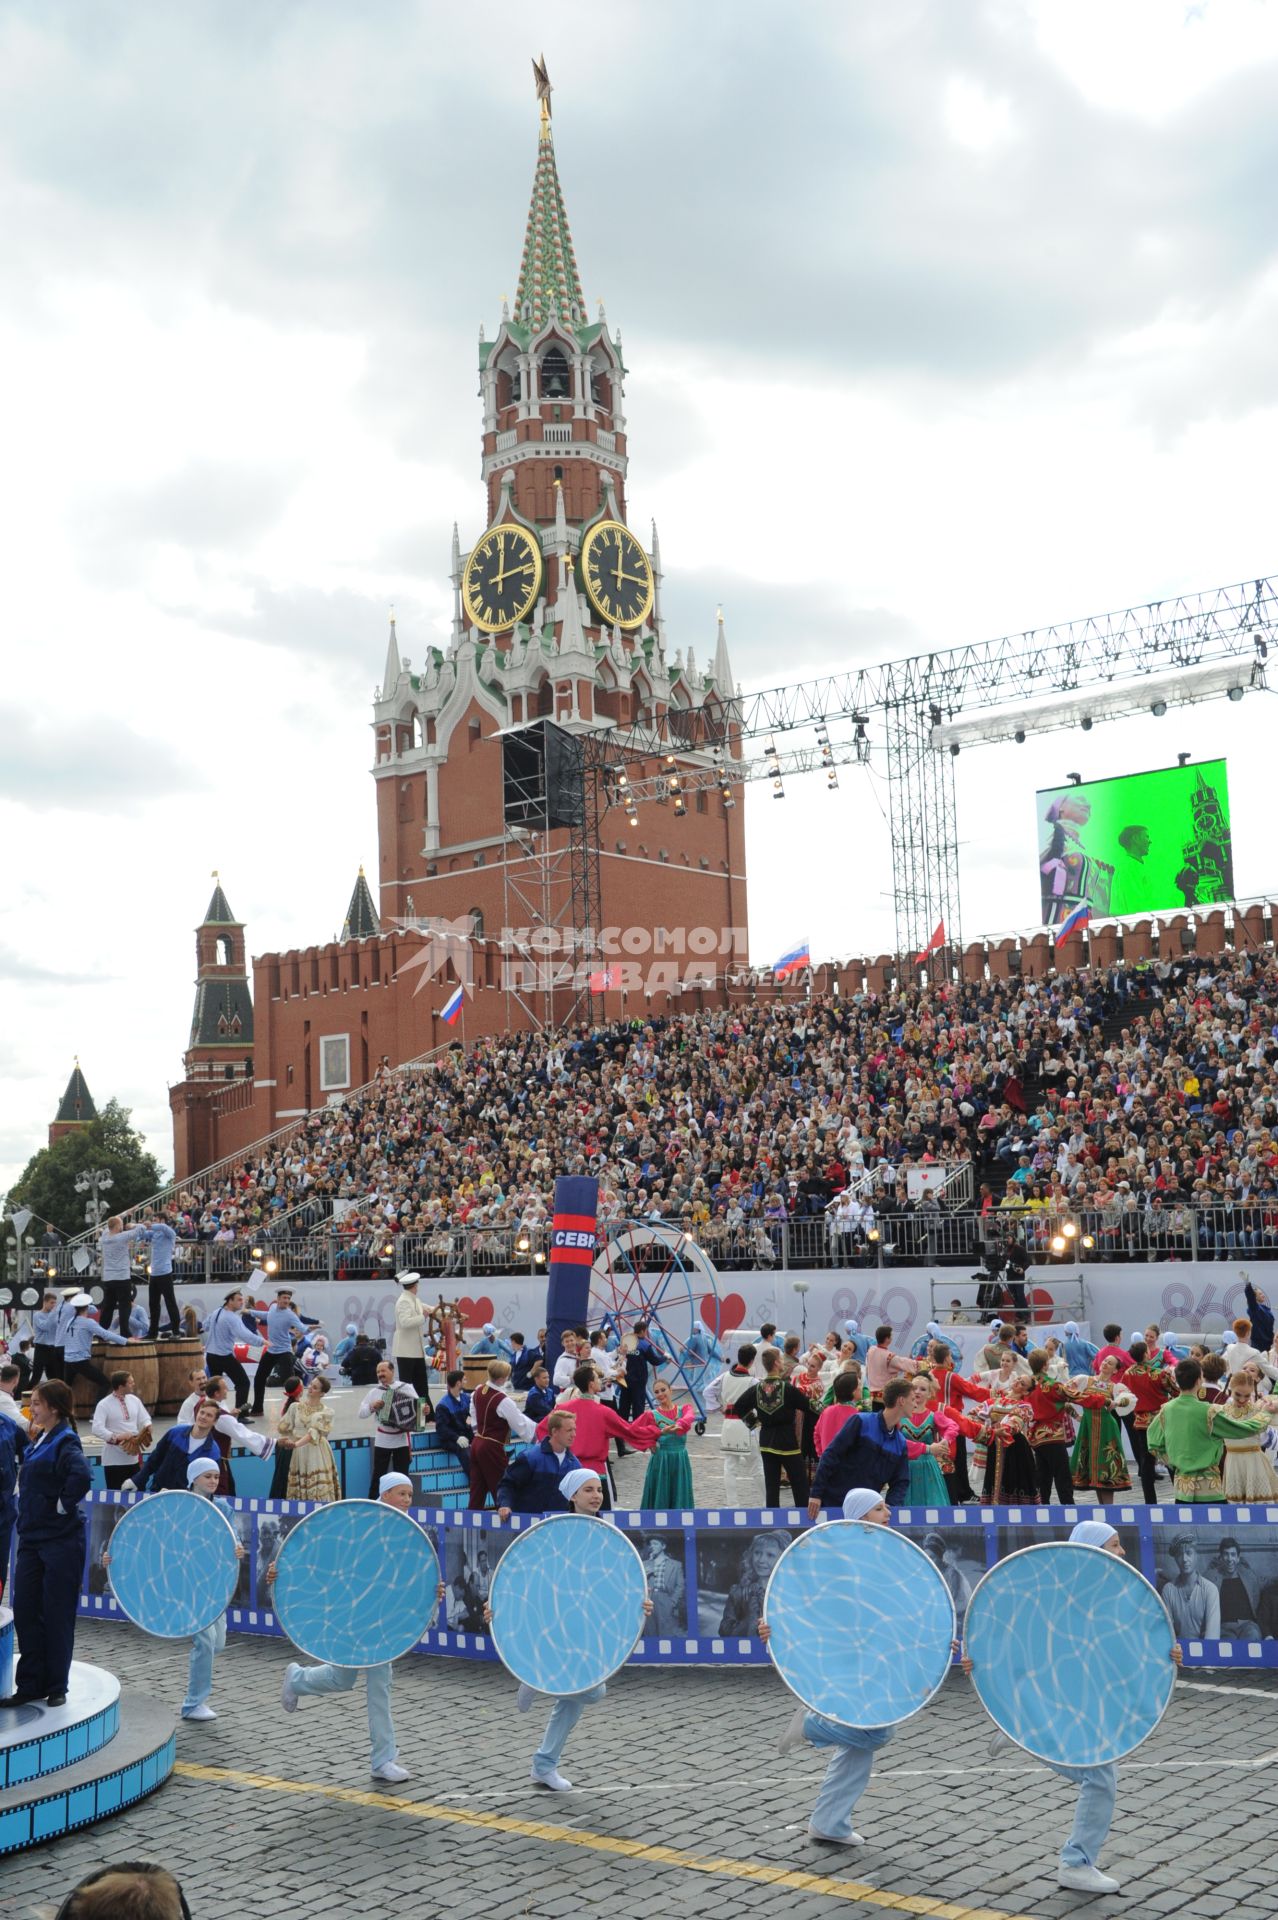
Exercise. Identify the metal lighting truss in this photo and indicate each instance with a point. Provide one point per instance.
(1167, 653)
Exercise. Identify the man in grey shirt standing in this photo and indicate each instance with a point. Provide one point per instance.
(161, 1239)
(116, 1248)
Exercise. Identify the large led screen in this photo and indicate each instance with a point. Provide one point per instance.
(1140, 843)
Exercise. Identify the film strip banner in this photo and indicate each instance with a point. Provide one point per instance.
(1217, 1568)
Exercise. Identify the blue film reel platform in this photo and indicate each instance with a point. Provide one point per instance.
(356, 1584)
(567, 1600)
(174, 1564)
(66, 1767)
(862, 1623)
(1071, 1653)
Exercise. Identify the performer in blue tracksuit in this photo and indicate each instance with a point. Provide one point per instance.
(165, 1469)
(452, 1419)
(868, 1451)
(46, 1351)
(1097, 1786)
(278, 1362)
(852, 1759)
(77, 1350)
(531, 1482)
(202, 1478)
(51, 1549)
(13, 1443)
(161, 1239)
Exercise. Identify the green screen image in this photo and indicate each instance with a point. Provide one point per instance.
(1141, 843)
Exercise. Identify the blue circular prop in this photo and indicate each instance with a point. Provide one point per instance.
(862, 1623)
(356, 1584)
(567, 1600)
(174, 1564)
(1071, 1653)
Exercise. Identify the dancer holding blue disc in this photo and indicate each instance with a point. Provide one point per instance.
(583, 1490)
(395, 1490)
(1098, 1785)
(852, 1759)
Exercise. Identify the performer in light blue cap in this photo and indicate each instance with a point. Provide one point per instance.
(202, 1477)
(1097, 1786)
(1080, 1355)
(936, 1332)
(702, 1356)
(490, 1342)
(852, 1759)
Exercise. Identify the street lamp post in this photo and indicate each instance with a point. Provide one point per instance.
(95, 1181)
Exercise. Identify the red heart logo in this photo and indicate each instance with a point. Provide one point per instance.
(475, 1313)
(722, 1316)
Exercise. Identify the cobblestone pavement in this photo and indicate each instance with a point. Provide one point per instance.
(682, 1805)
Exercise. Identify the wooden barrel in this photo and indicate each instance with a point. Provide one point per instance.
(138, 1359)
(176, 1360)
(475, 1368)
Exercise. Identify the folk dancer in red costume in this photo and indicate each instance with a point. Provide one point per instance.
(496, 1420)
(951, 1389)
(1052, 1431)
(1153, 1383)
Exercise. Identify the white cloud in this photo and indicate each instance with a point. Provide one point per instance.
(944, 322)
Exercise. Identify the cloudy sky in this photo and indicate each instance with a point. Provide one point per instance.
(944, 321)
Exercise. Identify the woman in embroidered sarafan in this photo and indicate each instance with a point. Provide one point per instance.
(950, 1389)
(1003, 1452)
(312, 1471)
(919, 1422)
(668, 1480)
(1098, 1461)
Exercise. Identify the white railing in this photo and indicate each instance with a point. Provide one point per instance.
(557, 436)
(506, 439)
(605, 440)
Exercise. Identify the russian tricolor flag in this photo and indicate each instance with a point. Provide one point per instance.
(793, 961)
(1073, 922)
(453, 1006)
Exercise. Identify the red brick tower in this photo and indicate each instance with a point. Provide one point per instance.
(219, 1055)
(557, 612)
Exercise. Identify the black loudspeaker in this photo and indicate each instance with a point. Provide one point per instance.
(542, 774)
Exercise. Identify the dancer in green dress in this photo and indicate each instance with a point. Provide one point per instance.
(668, 1480)
(1098, 1461)
(927, 1482)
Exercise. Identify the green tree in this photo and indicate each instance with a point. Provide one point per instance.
(47, 1183)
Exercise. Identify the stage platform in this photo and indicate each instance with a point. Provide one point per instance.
(66, 1767)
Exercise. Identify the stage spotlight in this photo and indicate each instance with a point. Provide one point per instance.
(1019, 736)
(270, 1266)
(1158, 709)
(622, 779)
(670, 760)
(1075, 779)
(680, 806)
(523, 1243)
(778, 788)
(954, 749)
(632, 814)
(1087, 1241)
(1069, 1229)
(1086, 723)
(1235, 693)
(255, 1253)
(1058, 1243)
(1182, 759)
(861, 741)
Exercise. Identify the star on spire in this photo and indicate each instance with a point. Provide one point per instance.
(544, 90)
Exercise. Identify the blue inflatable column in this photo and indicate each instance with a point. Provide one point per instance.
(572, 1256)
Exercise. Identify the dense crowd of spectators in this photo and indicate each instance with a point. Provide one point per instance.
(1142, 1103)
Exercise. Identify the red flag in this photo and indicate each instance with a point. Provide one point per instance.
(600, 982)
(937, 940)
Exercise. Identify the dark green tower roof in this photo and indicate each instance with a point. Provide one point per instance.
(76, 1108)
(362, 922)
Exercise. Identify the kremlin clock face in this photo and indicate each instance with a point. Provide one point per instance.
(502, 578)
(616, 574)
